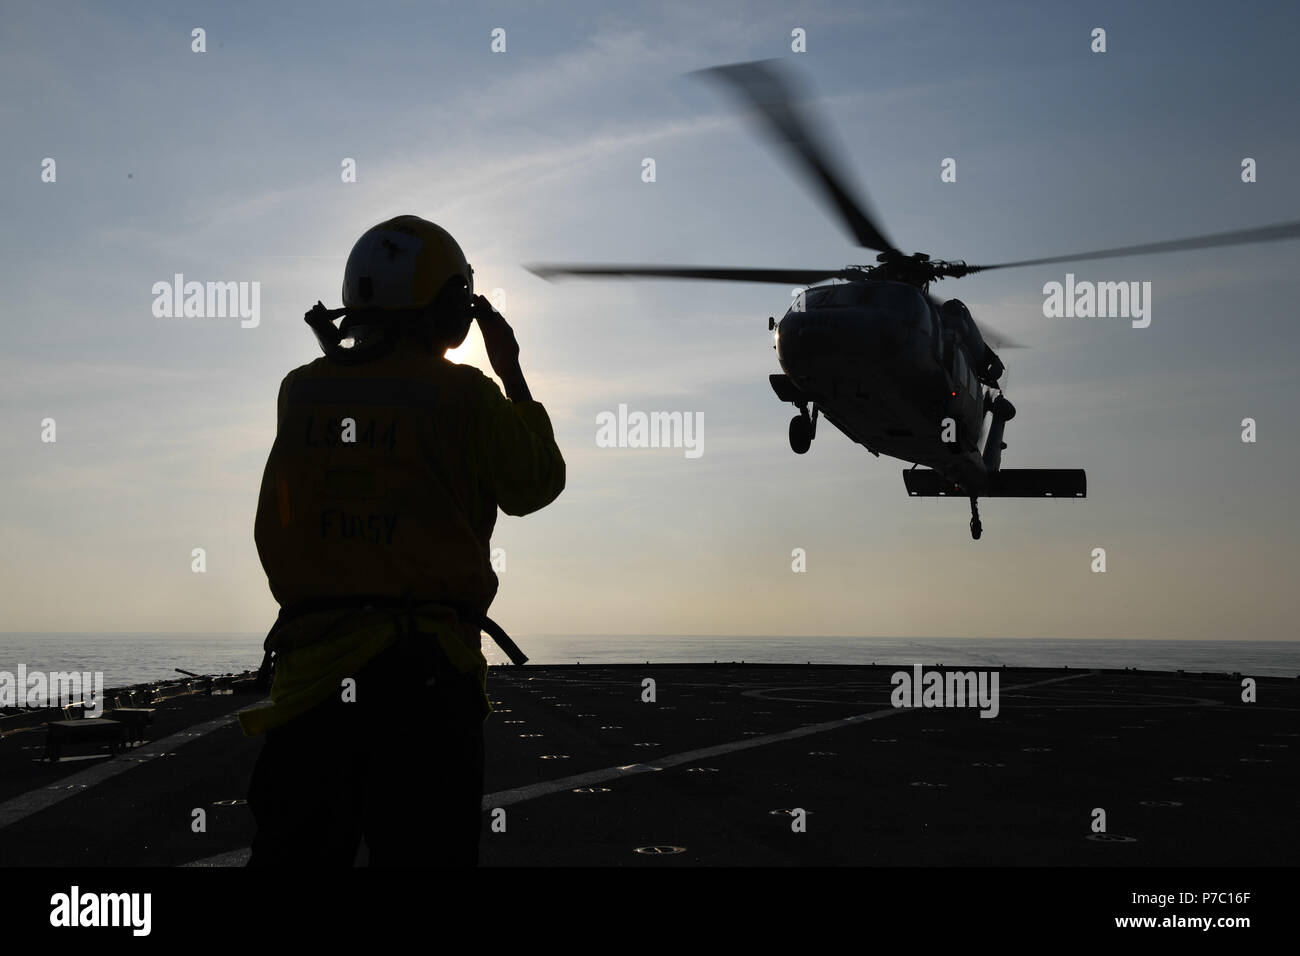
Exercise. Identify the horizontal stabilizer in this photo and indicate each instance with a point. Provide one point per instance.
(1039, 483)
(929, 484)
(1007, 483)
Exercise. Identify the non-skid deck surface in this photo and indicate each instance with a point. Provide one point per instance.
(586, 773)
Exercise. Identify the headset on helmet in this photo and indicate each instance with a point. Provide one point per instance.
(397, 273)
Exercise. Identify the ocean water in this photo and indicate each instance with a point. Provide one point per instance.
(137, 658)
(1262, 658)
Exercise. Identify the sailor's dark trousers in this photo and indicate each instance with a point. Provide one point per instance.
(401, 767)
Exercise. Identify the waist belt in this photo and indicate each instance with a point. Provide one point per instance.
(358, 603)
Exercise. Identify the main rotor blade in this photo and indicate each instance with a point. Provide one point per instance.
(725, 273)
(996, 339)
(762, 85)
(1285, 230)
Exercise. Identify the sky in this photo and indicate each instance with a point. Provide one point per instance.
(225, 165)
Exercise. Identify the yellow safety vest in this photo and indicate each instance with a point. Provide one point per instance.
(384, 481)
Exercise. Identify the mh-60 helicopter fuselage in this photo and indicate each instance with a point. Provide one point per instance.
(905, 377)
(891, 371)
(888, 365)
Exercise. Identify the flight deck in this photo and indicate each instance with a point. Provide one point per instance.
(745, 765)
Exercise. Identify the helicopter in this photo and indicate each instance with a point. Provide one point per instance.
(868, 348)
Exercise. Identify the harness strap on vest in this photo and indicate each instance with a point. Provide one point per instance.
(358, 603)
(494, 630)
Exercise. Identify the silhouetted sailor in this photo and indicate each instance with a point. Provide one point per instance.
(373, 525)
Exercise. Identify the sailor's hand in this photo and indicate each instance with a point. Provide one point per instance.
(498, 339)
(318, 312)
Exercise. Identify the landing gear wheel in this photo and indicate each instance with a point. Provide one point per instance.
(976, 529)
(801, 434)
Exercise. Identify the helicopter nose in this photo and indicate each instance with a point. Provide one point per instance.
(856, 335)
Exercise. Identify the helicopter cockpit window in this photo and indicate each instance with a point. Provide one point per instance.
(893, 297)
(900, 299)
(819, 298)
(815, 298)
(837, 296)
(851, 294)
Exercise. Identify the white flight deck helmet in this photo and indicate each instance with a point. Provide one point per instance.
(406, 264)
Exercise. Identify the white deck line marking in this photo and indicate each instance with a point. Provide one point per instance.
(232, 858)
(34, 801)
(504, 798)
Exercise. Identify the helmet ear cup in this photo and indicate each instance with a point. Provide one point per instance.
(453, 315)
